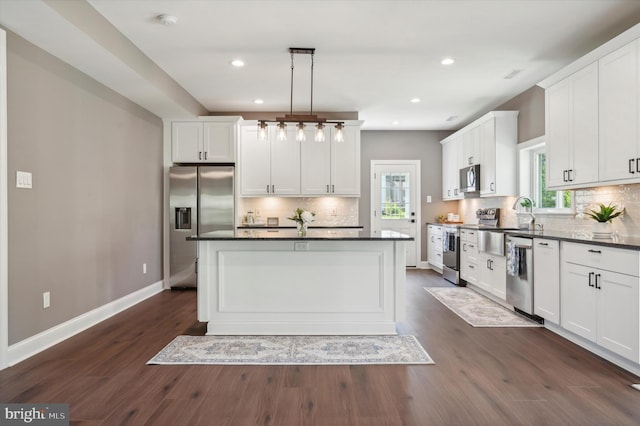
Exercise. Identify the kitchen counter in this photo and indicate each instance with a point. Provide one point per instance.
(291, 234)
(631, 243)
(272, 281)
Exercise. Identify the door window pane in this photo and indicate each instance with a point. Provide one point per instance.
(395, 202)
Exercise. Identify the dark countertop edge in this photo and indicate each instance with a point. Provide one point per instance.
(616, 242)
(294, 227)
(629, 243)
(300, 239)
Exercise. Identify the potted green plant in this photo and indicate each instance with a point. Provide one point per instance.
(603, 218)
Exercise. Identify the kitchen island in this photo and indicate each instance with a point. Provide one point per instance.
(331, 281)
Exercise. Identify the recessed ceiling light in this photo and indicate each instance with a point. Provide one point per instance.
(447, 61)
(395, 123)
(258, 101)
(415, 100)
(237, 63)
(167, 19)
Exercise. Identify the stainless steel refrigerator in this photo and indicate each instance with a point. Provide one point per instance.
(201, 200)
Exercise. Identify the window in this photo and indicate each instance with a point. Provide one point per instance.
(395, 195)
(533, 181)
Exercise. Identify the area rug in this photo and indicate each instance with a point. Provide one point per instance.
(293, 350)
(478, 310)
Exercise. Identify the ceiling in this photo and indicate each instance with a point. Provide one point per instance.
(372, 56)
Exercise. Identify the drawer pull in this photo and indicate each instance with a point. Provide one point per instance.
(543, 244)
(594, 251)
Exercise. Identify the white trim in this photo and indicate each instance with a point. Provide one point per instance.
(4, 227)
(44, 340)
(418, 201)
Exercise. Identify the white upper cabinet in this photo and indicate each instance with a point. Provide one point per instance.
(345, 162)
(292, 168)
(571, 108)
(592, 117)
(619, 114)
(209, 140)
(490, 141)
(269, 167)
(451, 152)
(470, 147)
(331, 167)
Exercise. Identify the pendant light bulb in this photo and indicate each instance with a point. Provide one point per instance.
(282, 131)
(339, 134)
(263, 135)
(300, 137)
(320, 132)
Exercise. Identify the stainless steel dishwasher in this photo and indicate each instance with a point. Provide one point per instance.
(519, 253)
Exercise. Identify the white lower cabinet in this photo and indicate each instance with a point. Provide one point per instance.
(546, 279)
(599, 304)
(492, 276)
(469, 256)
(434, 238)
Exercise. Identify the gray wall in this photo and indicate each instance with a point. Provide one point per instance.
(530, 103)
(407, 145)
(94, 215)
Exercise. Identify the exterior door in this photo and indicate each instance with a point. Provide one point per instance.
(395, 205)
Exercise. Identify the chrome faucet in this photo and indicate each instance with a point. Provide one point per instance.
(532, 219)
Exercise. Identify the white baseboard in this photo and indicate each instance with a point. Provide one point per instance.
(44, 340)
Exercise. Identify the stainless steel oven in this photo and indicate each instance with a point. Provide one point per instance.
(451, 253)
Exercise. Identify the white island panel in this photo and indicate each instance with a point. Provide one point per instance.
(302, 282)
(258, 287)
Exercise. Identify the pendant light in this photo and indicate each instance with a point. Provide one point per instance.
(300, 119)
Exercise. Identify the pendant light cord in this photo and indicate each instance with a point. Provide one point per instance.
(291, 95)
(311, 112)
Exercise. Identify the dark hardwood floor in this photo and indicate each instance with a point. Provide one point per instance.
(488, 376)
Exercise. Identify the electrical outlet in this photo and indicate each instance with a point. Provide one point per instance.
(46, 299)
(301, 246)
(144, 268)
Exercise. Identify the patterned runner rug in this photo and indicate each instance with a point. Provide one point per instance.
(478, 310)
(290, 350)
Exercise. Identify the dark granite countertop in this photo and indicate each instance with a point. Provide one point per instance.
(624, 242)
(254, 226)
(318, 234)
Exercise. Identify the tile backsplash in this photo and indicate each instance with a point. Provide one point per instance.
(627, 196)
(330, 211)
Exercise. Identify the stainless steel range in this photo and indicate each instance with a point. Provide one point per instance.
(451, 243)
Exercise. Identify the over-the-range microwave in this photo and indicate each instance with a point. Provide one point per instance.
(470, 179)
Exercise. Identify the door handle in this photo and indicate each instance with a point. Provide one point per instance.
(591, 275)
(205, 155)
(631, 160)
(413, 221)
(199, 155)
(569, 175)
(492, 186)
(598, 282)
(564, 175)
(327, 189)
(638, 165)
(273, 189)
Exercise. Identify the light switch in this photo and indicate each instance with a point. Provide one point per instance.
(23, 180)
(428, 198)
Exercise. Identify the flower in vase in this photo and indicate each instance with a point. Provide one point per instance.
(302, 216)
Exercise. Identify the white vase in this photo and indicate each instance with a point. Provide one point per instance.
(601, 230)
